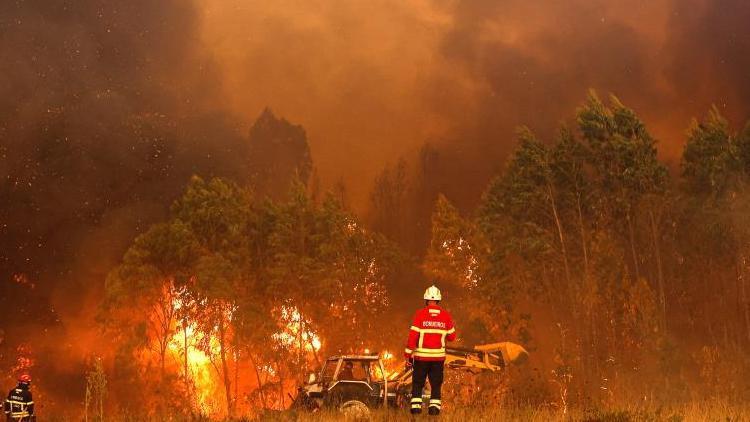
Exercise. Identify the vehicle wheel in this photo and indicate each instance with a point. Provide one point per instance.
(355, 410)
(344, 392)
(303, 401)
(403, 396)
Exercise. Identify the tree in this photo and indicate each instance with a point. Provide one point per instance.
(320, 254)
(219, 214)
(569, 162)
(623, 155)
(710, 162)
(152, 272)
(716, 202)
(186, 271)
(389, 210)
(451, 256)
(526, 195)
(279, 155)
(96, 391)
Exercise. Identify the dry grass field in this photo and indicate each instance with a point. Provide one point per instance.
(698, 411)
(708, 411)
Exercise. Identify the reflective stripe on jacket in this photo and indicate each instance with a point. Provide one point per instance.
(431, 328)
(19, 404)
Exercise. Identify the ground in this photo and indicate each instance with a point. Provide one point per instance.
(709, 411)
(697, 411)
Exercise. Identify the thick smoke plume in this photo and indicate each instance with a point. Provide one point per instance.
(377, 80)
(106, 109)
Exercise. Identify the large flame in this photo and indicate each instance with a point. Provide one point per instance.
(204, 385)
(297, 330)
(200, 373)
(201, 376)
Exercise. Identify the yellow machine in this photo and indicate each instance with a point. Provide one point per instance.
(484, 357)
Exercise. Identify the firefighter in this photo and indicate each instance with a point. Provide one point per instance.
(347, 372)
(19, 406)
(425, 350)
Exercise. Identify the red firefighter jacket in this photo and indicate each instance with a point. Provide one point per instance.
(431, 328)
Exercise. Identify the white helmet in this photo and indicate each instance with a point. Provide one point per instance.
(432, 293)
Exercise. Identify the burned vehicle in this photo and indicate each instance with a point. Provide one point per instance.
(356, 383)
(352, 383)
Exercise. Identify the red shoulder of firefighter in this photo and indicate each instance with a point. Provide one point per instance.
(431, 328)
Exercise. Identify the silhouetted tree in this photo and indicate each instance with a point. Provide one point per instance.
(279, 155)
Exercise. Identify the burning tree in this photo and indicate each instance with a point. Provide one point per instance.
(452, 255)
(319, 255)
(141, 293)
(235, 283)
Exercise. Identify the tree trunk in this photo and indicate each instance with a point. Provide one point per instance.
(740, 331)
(254, 362)
(300, 362)
(162, 357)
(584, 244)
(186, 364)
(225, 368)
(282, 400)
(631, 235)
(86, 403)
(659, 269)
(559, 233)
(236, 373)
(310, 342)
(163, 327)
(743, 293)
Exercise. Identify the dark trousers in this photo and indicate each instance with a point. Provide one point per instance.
(423, 370)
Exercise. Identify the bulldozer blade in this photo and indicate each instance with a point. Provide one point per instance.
(512, 352)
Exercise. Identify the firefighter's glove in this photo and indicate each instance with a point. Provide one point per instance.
(409, 363)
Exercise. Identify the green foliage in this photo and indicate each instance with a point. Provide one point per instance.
(711, 160)
(217, 213)
(519, 217)
(452, 256)
(320, 254)
(623, 153)
(389, 209)
(557, 223)
(162, 253)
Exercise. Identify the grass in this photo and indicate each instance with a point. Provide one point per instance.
(709, 411)
(698, 411)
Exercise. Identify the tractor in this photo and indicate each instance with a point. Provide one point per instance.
(355, 384)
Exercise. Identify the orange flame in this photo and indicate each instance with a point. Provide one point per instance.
(203, 380)
(205, 386)
(297, 328)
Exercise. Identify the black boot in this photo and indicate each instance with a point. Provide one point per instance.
(433, 410)
(416, 405)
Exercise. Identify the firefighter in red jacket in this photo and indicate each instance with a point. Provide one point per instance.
(425, 350)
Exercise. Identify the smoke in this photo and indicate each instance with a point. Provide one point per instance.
(709, 57)
(107, 107)
(99, 120)
(372, 82)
